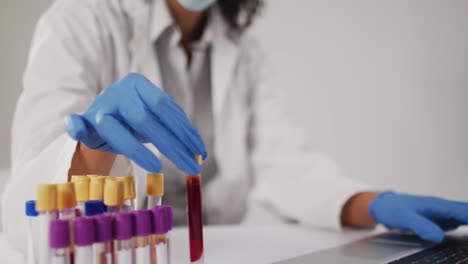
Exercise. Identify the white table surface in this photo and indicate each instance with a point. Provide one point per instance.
(259, 244)
(240, 244)
(245, 244)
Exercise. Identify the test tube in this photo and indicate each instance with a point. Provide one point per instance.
(32, 230)
(142, 236)
(129, 192)
(66, 200)
(46, 206)
(102, 248)
(94, 207)
(124, 252)
(84, 238)
(60, 241)
(154, 189)
(169, 221)
(194, 212)
(66, 203)
(96, 187)
(113, 195)
(159, 239)
(82, 190)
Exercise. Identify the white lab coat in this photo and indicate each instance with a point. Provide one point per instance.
(81, 47)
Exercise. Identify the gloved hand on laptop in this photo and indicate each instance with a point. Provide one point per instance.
(427, 216)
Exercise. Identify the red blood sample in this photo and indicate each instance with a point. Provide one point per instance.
(195, 222)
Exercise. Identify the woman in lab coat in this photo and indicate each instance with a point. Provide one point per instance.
(201, 53)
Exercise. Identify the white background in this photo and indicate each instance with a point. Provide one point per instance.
(381, 86)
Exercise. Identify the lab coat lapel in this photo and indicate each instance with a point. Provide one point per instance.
(223, 62)
(142, 53)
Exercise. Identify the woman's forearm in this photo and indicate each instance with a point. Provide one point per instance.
(89, 161)
(355, 212)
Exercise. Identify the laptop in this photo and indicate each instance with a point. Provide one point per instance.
(394, 248)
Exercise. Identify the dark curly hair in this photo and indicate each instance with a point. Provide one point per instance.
(239, 14)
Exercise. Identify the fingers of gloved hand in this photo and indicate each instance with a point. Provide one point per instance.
(76, 127)
(423, 227)
(441, 208)
(117, 135)
(172, 116)
(148, 125)
(82, 131)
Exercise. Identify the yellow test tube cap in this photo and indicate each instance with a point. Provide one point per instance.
(127, 183)
(81, 187)
(46, 198)
(66, 197)
(113, 192)
(132, 187)
(155, 184)
(96, 187)
(199, 159)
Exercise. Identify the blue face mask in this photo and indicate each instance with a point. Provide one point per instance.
(196, 5)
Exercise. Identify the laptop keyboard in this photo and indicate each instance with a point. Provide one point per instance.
(453, 252)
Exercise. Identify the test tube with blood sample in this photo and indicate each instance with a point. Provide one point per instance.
(195, 222)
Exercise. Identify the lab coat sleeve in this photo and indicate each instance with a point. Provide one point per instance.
(291, 179)
(61, 77)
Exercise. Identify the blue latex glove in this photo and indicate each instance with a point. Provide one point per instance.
(133, 111)
(428, 217)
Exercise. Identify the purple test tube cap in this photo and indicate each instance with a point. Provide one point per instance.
(123, 226)
(59, 235)
(84, 231)
(142, 222)
(159, 223)
(103, 225)
(168, 216)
